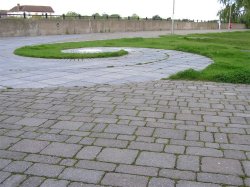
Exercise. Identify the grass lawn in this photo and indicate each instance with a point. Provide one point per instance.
(230, 52)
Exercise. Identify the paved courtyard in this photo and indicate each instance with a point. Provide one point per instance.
(147, 134)
(161, 133)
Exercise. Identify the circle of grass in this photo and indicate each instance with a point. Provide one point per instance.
(55, 51)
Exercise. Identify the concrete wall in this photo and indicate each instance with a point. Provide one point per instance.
(28, 27)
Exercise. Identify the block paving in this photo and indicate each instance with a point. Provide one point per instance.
(160, 133)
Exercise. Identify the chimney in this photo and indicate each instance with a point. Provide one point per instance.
(18, 7)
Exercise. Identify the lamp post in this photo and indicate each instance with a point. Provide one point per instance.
(173, 17)
(230, 15)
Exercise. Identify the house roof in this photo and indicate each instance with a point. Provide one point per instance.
(31, 8)
(3, 11)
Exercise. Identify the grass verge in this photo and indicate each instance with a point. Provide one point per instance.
(229, 50)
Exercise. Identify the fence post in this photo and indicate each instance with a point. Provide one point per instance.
(79, 16)
(46, 16)
(94, 16)
(138, 18)
(63, 16)
(107, 17)
(24, 15)
(128, 18)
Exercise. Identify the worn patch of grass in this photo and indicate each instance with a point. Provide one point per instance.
(53, 51)
(229, 51)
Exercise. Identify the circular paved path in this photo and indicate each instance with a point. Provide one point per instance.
(157, 133)
(138, 66)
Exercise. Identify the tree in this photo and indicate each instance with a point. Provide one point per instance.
(134, 16)
(70, 13)
(240, 11)
(96, 15)
(115, 16)
(156, 17)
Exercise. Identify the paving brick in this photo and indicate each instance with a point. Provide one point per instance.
(95, 165)
(45, 170)
(206, 137)
(61, 149)
(169, 133)
(3, 163)
(192, 135)
(187, 143)
(32, 181)
(212, 145)
(195, 184)
(220, 138)
(125, 112)
(54, 183)
(81, 175)
(137, 170)
(42, 158)
(138, 123)
(146, 146)
(105, 120)
(233, 130)
(220, 179)
(188, 117)
(31, 121)
(4, 175)
(77, 184)
(12, 155)
(216, 119)
(53, 137)
(117, 179)
(126, 137)
(111, 143)
(120, 129)
(160, 182)
(87, 141)
(75, 133)
(68, 162)
(73, 139)
(234, 154)
(123, 156)
(14, 180)
(177, 174)
(246, 165)
(69, 125)
(14, 133)
(247, 181)
(103, 135)
(239, 139)
(161, 160)
(204, 151)
(18, 166)
(185, 162)
(145, 139)
(7, 141)
(30, 146)
(144, 131)
(88, 152)
(150, 114)
(175, 149)
(221, 165)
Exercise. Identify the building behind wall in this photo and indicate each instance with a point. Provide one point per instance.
(31, 10)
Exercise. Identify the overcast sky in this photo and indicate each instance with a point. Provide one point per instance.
(190, 9)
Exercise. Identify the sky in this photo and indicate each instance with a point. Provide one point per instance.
(184, 9)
